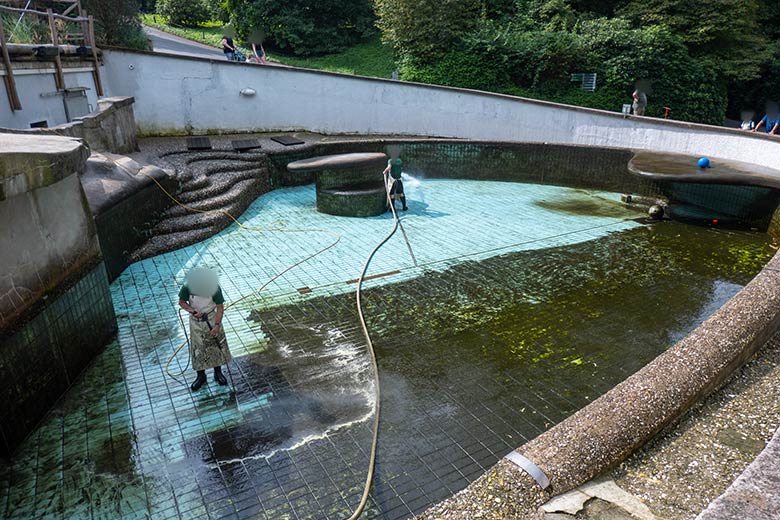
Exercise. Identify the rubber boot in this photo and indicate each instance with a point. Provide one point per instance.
(219, 377)
(403, 201)
(198, 381)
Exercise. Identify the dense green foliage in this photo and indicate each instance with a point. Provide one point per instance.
(699, 56)
(429, 28)
(188, 13)
(304, 27)
(27, 29)
(116, 23)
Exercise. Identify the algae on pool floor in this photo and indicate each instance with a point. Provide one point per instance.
(477, 353)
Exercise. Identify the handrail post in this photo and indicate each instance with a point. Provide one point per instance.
(98, 82)
(10, 82)
(59, 77)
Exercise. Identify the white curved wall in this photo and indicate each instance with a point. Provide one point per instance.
(175, 93)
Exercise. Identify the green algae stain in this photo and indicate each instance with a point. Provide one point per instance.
(585, 204)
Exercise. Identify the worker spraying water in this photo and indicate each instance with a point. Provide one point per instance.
(202, 297)
(394, 168)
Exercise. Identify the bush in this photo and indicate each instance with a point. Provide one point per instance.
(189, 13)
(426, 30)
(116, 23)
(305, 27)
(218, 10)
(539, 64)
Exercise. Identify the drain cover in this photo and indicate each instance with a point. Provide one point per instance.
(244, 145)
(287, 140)
(198, 143)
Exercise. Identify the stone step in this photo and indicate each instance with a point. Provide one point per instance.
(218, 184)
(195, 182)
(175, 233)
(198, 220)
(235, 191)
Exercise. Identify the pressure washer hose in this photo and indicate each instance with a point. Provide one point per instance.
(370, 345)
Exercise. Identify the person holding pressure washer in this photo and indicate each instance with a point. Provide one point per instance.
(201, 296)
(394, 167)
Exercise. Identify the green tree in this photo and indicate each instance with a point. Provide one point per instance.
(116, 23)
(305, 27)
(189, 13)
(725, 32)
(425, 30)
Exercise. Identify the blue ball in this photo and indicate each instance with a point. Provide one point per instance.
(704, 163)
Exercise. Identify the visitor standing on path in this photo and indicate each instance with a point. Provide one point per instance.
(256, 38)
(202, 297)
(228, 48)
(640, 101)
(259, 58)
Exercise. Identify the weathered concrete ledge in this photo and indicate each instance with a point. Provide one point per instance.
(344, 161)
(110, 128)
(28, 162)
(605, 432)
(666, 167)
(755, 494)
(55, 302)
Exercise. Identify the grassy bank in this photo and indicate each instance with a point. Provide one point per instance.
(365, 59)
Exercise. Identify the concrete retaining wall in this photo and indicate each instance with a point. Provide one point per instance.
(55, 304)
(110, 128)
(37, 92)
(178, 94)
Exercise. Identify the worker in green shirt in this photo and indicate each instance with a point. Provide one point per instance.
(201, 296)
(394, 167)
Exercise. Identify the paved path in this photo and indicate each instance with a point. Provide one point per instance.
(165, 42)
(755, 494)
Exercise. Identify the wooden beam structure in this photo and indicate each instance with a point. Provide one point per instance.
(38, 13)
(10, 82)
(59, 76)
(65, 8)
(96, 71)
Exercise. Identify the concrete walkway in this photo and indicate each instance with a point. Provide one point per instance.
(755, 494)
(165, 42)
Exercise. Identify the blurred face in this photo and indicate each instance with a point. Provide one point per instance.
(202, 281)
(772, 108)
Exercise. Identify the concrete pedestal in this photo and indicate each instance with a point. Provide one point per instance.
(349, 185)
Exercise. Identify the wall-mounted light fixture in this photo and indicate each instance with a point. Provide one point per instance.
(248, 92)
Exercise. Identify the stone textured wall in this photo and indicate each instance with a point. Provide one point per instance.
(110, 128)
(55, 306)
(43, 356)
(560, 165)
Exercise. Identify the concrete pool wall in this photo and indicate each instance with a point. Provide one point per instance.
(183, 95)
(55, 307)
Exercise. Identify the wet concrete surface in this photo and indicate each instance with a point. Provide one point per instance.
(476, 357)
